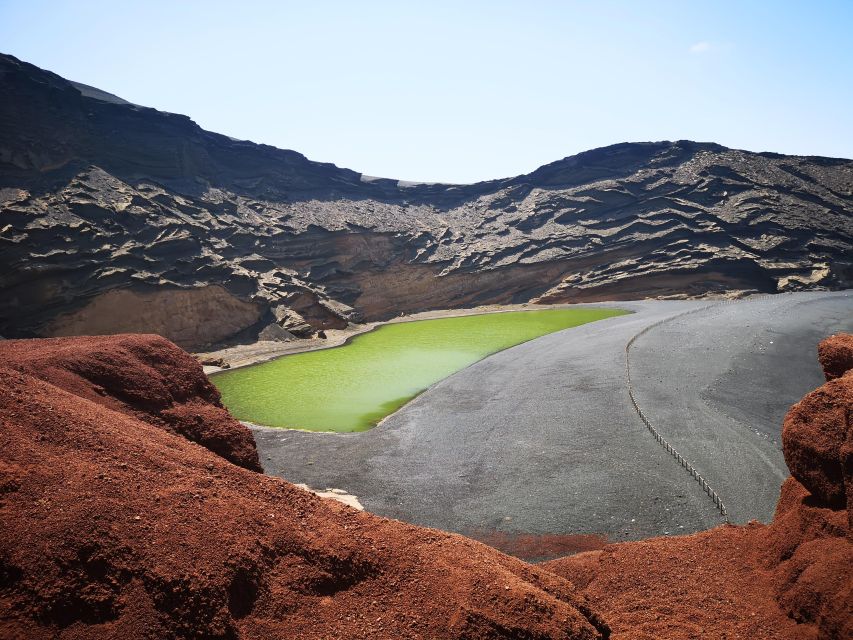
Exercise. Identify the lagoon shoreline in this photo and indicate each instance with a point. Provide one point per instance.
(245, 355)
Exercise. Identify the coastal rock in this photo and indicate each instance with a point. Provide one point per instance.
(292, 322)
(214, 362)
(275, 333)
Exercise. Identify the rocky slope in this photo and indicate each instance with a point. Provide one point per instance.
(116, 527)
(117, 217)
(143, 376)
(790, 579)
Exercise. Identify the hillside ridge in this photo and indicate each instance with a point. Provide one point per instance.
(121, 218)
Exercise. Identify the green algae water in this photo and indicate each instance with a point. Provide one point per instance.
(352, 387)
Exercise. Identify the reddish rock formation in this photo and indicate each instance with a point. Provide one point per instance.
(790, 579)
(113, 526)
(144, 376)
(836, 355)
(817, 440)
(808, 554)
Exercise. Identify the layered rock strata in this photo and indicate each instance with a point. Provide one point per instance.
(105, 204)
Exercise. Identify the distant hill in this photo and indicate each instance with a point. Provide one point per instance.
(116, 217)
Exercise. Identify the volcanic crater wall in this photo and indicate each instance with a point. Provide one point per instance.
(99, 195)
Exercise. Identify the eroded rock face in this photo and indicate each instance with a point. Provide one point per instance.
(98, 195)
(191, 318)
(116, 527)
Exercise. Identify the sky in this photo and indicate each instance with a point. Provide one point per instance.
(463, 91)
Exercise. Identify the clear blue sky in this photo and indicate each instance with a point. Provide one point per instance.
(463, 91)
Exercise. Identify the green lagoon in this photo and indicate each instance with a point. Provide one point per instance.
(354, 386)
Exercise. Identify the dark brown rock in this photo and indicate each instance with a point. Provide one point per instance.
(214, 362)
(275, 333)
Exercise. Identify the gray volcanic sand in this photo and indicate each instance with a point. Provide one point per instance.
(542, 439)
(717, 386)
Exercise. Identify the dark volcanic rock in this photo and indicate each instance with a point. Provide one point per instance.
(100, 195)
(275, 333)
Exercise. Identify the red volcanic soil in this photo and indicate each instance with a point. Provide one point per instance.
(119, 518)
(532, 547)
(145, 376)
(836, 355)
(790, 579)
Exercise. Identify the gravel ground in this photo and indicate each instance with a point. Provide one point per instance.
(717, 385)
(542, 439)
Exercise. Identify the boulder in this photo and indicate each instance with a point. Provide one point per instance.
(817, 437)
(836, 355)
(292, 321)
(211, 361)
(275, 333)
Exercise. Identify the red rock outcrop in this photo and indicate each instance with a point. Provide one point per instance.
(113, 526)
(817, 438)
(141, 375)
(808, 553)
(836, 355)
(790, 579)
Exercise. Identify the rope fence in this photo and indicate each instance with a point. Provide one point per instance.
(715, 498)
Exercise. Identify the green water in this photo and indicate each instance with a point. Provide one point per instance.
(352, 387)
